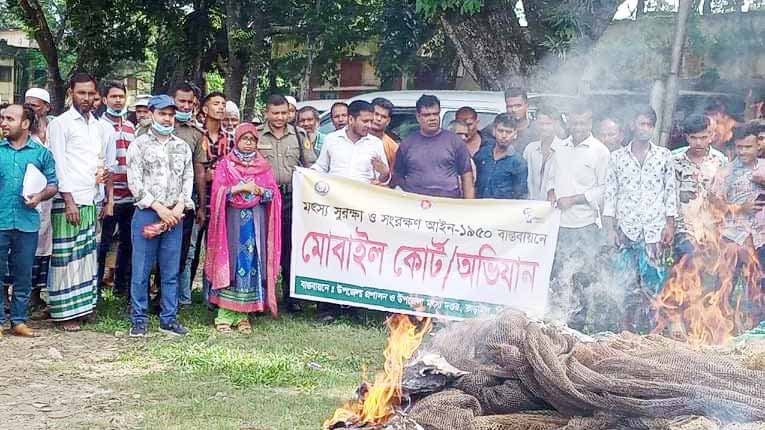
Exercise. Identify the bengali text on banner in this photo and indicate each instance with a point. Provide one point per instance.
(372, 247)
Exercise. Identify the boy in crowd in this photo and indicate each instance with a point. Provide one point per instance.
(639, 214)
(537, 154)
(501, 170)
(695, 166)
(575, 183)
(743, 227)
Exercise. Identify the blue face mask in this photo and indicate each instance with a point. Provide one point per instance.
(113, 112)
(182, 116)
(162, 130)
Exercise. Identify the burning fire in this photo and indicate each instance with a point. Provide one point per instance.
(700, 302)
(377, 403)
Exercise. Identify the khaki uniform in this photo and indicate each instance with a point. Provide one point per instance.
(284, 154)
(192, 135)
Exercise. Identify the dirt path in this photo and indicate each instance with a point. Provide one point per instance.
(65, 381)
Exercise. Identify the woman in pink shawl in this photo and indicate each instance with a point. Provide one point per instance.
(244, 236)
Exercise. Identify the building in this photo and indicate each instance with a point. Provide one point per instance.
(15, 50)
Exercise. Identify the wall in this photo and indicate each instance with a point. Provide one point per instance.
(7, 88)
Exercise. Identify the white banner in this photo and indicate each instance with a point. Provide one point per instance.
(369, 246)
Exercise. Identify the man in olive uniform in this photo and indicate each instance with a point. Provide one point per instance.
(285, 148)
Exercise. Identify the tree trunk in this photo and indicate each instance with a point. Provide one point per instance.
(499, 53)
(252, 95)
(681, 29)
(35, 19)
(238, 57)
(491, 44)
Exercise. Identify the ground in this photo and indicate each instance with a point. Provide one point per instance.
(290, 373)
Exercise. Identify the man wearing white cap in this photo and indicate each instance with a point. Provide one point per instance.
(231, 118)
(292, 112)
(39, 100)
(142, 113)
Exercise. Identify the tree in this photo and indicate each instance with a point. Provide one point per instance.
(321, 33)
(403, 32)
(499, 48)
(33, 16)
(97, 36)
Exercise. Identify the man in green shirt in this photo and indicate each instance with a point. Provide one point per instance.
(19, 219)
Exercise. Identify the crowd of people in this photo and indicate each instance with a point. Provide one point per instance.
(179, 178)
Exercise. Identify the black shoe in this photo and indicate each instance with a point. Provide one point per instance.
(138, 330)
(174, 329)
(294, 307)
(326, 317)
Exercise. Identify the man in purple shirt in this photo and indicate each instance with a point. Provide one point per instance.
(433, 162)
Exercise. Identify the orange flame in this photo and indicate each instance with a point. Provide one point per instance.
(699, 303)
(377, 404)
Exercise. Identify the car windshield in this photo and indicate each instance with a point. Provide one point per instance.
(403, 122)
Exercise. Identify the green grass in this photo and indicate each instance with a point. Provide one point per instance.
(290, 373)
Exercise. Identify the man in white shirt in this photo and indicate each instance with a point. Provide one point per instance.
(352, 152)
(537, 154)
(75, 139)
(575, 183)
(639, 216)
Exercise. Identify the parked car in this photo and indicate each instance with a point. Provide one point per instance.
(321, 105)
(488, 104)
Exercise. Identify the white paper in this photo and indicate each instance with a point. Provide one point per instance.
(34, 181)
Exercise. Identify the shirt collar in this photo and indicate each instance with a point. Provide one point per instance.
(155, 138)
(75, 114)
(31, 143)
(652, 148)
(287, 129)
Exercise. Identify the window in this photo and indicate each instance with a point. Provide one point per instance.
(402, 123)
(6, 73)
(486, 118)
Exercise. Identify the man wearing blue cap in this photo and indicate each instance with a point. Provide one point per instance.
(161, 177)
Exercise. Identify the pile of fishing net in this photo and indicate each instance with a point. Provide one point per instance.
(513, 373)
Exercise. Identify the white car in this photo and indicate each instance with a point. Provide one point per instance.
(488, 104)
(321, 105)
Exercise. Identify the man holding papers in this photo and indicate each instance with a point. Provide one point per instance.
(22, 162)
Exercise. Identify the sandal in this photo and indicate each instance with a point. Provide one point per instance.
(70, 326)
(223, 328)
(244, 327)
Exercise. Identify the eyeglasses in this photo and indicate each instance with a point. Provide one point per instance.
(248, 139)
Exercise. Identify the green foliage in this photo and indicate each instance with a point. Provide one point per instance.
(214, 81)
(431, 8)
(329, 30)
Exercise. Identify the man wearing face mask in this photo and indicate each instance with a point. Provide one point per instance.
(161, 177)
(76, 141)
(117, 133)
(639, 213)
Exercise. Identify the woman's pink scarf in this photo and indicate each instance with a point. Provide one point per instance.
(232, 171)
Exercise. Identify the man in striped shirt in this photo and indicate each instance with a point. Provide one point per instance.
(118, 133)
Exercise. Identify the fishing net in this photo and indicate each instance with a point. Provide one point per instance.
(523, 374)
